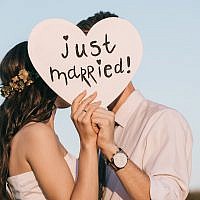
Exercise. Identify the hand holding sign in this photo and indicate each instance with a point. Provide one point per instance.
(69, 61)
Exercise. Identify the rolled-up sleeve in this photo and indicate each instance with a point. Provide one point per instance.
(167, 156)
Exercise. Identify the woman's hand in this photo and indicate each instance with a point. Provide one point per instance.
(104, 120)
(81, 112)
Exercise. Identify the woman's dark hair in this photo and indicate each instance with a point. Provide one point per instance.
(34, 104)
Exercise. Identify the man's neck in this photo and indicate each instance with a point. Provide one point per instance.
(122, 98)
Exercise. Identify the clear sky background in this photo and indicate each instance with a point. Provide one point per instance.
(170, 69)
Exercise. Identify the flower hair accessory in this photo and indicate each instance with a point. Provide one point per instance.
(17, 84)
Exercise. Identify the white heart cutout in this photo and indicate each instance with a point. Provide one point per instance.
(112, 52)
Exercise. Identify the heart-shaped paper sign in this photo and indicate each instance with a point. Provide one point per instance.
(105, 60)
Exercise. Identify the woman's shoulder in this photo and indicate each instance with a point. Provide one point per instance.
(37, 135)
(36, 129)
(30, 142)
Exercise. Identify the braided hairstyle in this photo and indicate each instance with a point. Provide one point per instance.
(34, 104)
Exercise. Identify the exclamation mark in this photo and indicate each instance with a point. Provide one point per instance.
(128, 64)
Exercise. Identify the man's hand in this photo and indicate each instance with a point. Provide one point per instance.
(135, 181)
(103, 123)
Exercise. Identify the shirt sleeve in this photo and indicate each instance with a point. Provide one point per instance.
(167, 156)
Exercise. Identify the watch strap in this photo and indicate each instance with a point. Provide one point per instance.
(111, 161)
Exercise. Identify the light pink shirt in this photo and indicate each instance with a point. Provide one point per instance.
(158, 140)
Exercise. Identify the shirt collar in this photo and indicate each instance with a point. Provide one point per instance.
(128, 108)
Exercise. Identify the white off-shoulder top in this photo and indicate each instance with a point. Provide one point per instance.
(25, 186)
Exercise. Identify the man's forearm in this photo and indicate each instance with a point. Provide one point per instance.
(135, 181)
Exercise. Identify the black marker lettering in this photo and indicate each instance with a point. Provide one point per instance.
(79, 55)
(73, 73)
(58, 75)
(118, 67)
(106, 69)
(107, 43)
(99, 63)
(83, 78)
(65, 37)
(128, 64)
(93, 45)
(90, 71)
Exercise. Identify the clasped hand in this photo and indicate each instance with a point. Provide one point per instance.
(94, 124)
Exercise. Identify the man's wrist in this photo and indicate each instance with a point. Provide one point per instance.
(109, 151)
(118, 160)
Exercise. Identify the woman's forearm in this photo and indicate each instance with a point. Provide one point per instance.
(86, 186)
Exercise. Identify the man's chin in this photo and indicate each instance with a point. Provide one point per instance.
(63, 105)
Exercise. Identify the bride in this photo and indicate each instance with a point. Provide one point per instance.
(33, 163)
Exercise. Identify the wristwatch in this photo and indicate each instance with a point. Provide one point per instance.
(118, 161)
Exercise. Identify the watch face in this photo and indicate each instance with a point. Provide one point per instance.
(120, 160)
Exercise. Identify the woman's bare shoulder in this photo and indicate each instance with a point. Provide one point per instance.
(35, 130)
(36, 136)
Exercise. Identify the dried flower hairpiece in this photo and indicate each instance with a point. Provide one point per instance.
(17, 84)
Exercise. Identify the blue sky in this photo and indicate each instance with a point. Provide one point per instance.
(170, 68)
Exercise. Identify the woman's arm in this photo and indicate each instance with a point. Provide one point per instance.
(87, 181)
(47, 162)
(50, 168)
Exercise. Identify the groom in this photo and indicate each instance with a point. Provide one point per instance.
(148, 152)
